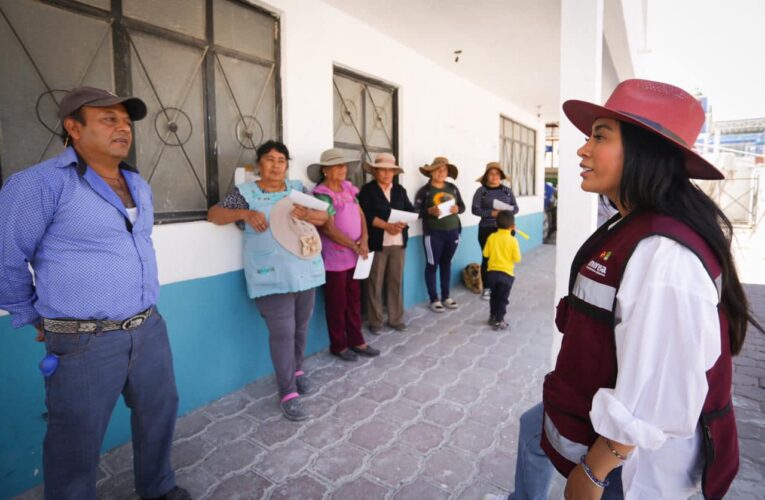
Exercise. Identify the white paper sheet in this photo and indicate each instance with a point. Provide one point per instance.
(446, 208)
(501, 205)
(308, 201)
(402, 216)
(363, 267)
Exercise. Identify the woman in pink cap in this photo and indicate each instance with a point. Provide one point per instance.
(639, 402)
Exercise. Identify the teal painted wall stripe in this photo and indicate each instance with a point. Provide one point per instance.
(219, 342)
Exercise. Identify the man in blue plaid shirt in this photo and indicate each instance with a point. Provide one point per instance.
(83, 221)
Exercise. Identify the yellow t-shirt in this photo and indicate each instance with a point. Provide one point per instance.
(503, 251)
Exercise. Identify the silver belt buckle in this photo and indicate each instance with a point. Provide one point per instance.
(134, 322)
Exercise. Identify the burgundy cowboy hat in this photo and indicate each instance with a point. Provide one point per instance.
(663, 109)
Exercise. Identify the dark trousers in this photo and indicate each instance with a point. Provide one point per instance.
(93, 370)
(483, 235)
(500, 284)
(440, 247)
(342, 307)
(287, 316)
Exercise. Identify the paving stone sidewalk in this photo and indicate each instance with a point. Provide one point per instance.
(434, 417)
(749, 404)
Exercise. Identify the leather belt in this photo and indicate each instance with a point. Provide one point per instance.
(95, 326)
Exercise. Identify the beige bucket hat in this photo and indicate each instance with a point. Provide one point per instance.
(296, 236)
(330, 158)
(383, 160)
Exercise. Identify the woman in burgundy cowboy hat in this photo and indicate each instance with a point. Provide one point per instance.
(639, 402)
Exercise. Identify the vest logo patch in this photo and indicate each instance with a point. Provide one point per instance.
(597, 268)
(605, 255)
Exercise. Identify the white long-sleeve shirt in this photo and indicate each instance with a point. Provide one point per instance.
(667, 336)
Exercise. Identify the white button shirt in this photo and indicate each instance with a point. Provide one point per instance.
(667, 336)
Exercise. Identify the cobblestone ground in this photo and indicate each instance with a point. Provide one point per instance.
(434, 417)
(749, 403)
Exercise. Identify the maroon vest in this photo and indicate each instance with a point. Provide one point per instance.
(587, 358)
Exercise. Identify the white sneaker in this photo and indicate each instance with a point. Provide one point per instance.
(486, 295)
(450, 303)
(492, 496)
(437, 306)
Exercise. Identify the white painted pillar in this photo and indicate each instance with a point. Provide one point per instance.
(581, 65)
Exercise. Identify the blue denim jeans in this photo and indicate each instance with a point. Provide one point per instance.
(440, 247)
(94, 369)
(533, 470)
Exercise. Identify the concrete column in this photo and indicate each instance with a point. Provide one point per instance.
(581, 56)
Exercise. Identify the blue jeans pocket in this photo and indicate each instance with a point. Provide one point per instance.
(67, 344)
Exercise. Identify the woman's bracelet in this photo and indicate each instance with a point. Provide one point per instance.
(614, 452)
(591, 475)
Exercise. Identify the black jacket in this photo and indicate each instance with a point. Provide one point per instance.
(374, 204)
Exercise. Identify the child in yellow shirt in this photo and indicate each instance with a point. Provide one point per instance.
(503, 252)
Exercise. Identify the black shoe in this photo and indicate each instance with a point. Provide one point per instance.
(368, 351)
(374, 329)
(346, 355)
(176, 493)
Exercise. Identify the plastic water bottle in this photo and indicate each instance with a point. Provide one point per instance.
(48, 365)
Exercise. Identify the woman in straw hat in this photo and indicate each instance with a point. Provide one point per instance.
(387, 239)
(639, 402)
(441, 231)
(491, 189)
(282, 265)
(344, 240)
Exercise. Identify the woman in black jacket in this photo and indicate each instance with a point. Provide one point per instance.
(387, 240)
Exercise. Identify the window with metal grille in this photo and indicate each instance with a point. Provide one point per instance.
(207, 70)
(365, 118)
(517, 152)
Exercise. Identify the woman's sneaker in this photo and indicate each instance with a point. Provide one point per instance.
(437, 306)
(293, 410)
(486, 295)
(304, 385)
(450, 303)
(500, 325)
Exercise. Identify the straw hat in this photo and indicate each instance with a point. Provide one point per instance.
(296, 236)
(383, 160)
(439, 161)
(666, 110)
(329, 158)
(489, 166)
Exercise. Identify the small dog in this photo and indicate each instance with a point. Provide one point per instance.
(471, 275)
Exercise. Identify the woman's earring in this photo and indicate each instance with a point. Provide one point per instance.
(66, 142)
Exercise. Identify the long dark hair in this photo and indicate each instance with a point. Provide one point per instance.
(654, 178)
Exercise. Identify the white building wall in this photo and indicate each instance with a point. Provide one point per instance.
(439, 114)
(582, 79)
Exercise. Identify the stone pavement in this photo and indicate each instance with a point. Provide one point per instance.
(434, 417)
(749, 403)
